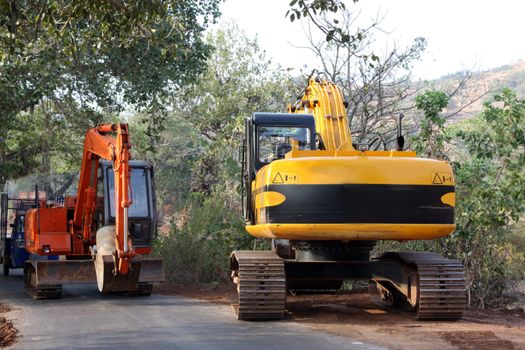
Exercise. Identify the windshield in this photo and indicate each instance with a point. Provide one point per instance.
(138, 193)
(276, 141)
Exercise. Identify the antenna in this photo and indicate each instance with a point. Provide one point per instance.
(400, 137)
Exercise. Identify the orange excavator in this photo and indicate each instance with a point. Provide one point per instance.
(103, 233)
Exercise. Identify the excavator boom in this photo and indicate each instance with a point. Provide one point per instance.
(99, 144)
(325, 102)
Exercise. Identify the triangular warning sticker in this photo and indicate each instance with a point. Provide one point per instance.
(278, 179)
(437, 179)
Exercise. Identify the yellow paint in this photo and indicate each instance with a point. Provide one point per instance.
(294, 143)
(325, 153)
(269, 199)
(353, 170)
(398, 232)
(449, 198)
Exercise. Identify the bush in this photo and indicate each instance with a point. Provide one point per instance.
(197, 249)
(488, 156)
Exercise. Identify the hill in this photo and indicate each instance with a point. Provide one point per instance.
(478, 87)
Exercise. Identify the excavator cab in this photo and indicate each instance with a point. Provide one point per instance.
(142, 219)
(269, 136)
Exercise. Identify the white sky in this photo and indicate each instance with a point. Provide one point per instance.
(461, 34)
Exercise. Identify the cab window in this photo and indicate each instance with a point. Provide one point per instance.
(276, 141)
(138, 193)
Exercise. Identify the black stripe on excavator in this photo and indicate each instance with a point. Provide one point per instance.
(389, 204)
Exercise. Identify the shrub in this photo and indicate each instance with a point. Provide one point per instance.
(197, 250)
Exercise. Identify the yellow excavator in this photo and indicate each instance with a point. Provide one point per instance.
(325, 202)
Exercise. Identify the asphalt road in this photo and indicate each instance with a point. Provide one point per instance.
(85, 319)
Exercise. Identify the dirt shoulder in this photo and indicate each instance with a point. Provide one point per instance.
(352, 314)
(8, 332)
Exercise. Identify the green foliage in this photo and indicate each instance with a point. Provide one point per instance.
(431, 138)
(105, 51)
(94, 57)
(491, 193)
(46, 139)
(199, 250)
(175, 151)
(198, 175)
(492, 187)
(238, 81)
(488, 157)
(313, 9)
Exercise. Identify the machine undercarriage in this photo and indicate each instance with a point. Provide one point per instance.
(430, 285)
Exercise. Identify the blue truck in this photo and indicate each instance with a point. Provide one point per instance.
(12, 240)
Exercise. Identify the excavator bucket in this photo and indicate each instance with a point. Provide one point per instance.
(143, 274)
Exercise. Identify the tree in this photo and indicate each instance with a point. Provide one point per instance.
(48, 144)
(492, 161)
(488, 157)
(102, 56)
(430, 141)
(199, 167)
(489, 165)
(378, 87)
(316, 11)
(240, 79)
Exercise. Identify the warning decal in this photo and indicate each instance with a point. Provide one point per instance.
(278, 179)
(442, 179)
(284, 178)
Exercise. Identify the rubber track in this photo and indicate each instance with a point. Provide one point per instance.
(261, 285)
(442, 288)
